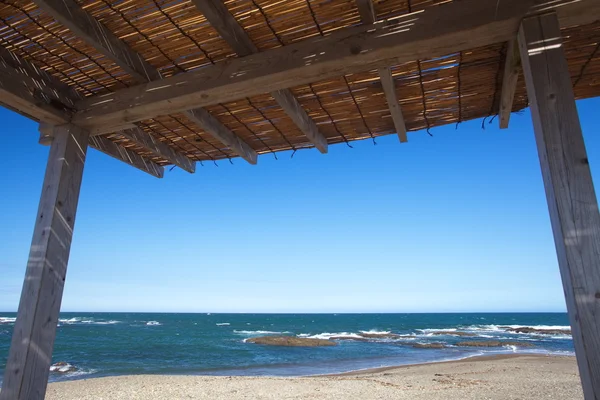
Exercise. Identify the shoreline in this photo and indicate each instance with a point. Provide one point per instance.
(474, 358)
(494, 377)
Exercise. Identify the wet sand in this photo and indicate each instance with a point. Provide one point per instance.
(496, 377)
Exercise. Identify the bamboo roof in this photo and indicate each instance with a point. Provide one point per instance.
(174, 37)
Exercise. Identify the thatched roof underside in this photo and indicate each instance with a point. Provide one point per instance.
(173, 36)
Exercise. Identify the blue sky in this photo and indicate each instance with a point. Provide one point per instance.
(453, 222)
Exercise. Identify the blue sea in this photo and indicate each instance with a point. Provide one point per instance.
(108, 344)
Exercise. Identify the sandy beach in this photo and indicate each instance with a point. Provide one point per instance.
(497, 377)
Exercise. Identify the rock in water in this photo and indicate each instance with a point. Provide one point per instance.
(291, 341)
(62, 367)
(526, 329)
(429, 346)
(370, 335)
(492, 343)
(350, 338)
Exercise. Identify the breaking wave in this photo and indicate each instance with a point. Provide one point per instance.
(258, 332)
(87, 321)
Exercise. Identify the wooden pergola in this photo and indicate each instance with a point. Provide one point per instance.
(157, 82)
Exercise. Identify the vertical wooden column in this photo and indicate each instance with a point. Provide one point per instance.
(569, 188)
(30, 355)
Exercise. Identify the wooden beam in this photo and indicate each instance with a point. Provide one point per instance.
(159, 148)
(368, 16)
(94, 33)
(389, 88)
(28, 89)
(127, 156)
(114, 150)
(512, 69)
(569, 188)
(295, 111)
(30, 355)
(217, 14)
(221, 19)
(219, 131)
(86, 27)
(366, 11)
(434, 32)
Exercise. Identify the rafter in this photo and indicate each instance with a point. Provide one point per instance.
(128, 156)
(28, 89)
(212, 125)
(434, 32)
(95, 34)
(366, 11)
(512, 69)
(221, 19)
(159, 148)
(367, 14)
(389, 88)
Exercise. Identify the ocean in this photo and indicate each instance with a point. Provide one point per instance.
(108, 344)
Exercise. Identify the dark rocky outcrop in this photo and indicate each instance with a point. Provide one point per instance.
(526, 329)
(454, 333)
(492, 343)
(291, 341)
(429, 346)
(369, 335)
(350, 338)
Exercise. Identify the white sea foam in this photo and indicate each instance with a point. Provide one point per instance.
(223, 324)
(62, 368)
(438, 330)
(258, 332)
(502, 328)
(65, 370)
(328, 335)
(7, 320)
(376, 332)
(512, 347)
(87, 321)
(153, 323)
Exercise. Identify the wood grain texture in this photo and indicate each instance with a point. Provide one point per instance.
(366, 11)
(389, 88)
(71, 15)
(127, 156)
(159, 148)
(368, 16)
(294, 110)
(512, 69)
(30, 354)
(25, 87)
(227, 26)
(221, 19)
(94, 33)
(437, 31)
(211, 125)
(569, 188)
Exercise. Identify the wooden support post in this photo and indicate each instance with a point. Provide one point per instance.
(569, 189)
(30, 355)
(512, 68)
